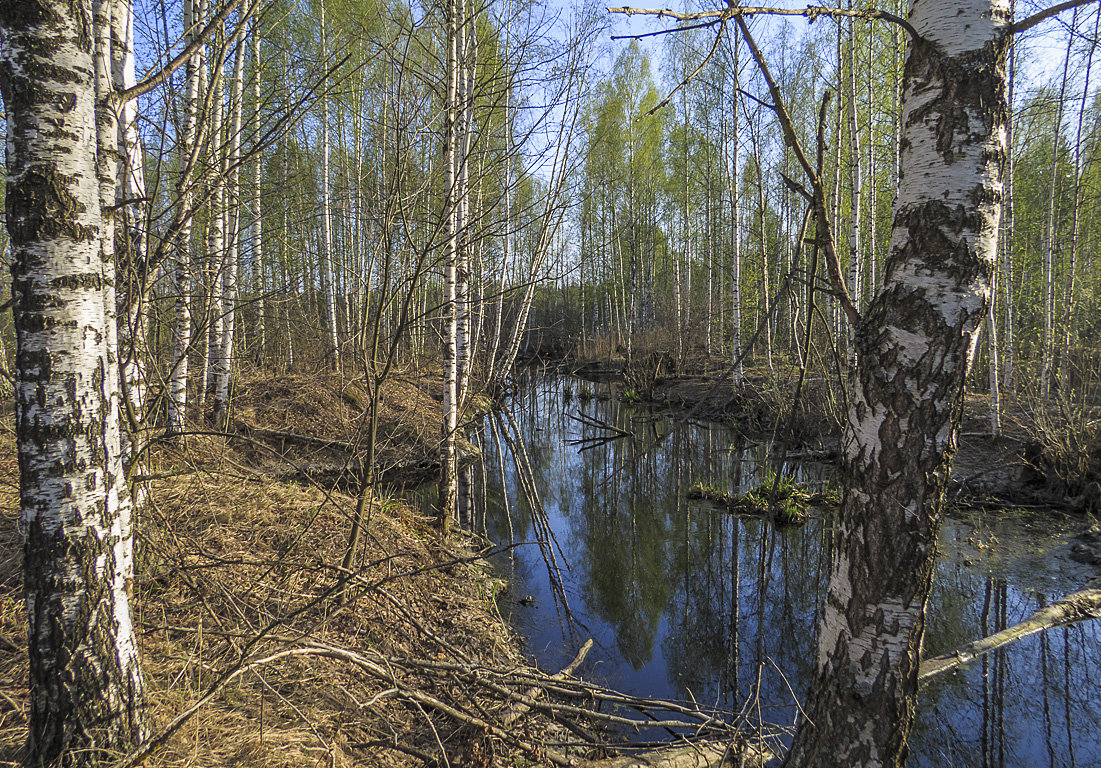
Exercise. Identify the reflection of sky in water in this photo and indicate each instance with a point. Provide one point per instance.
(649, 576)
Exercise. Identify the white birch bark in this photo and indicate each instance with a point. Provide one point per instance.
(215, 262)
(683, 258)
(1047, 362)
(448, 486)
(257, 230)
(85, 679)
(180, 268)
(465, 55)
(855, 180)
(916, 342)
(332, 340)
(735, 232)
(1070, 292)
(223, 357)
(131, 236)
(764, 307)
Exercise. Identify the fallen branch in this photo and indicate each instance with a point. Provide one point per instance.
(517, 710)
(1079, 606)
(699, 755)
(294, 437)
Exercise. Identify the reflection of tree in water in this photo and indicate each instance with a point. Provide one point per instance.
(733, 601)
(624, 544)
(1032, 704)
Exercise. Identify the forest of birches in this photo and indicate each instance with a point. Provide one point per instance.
(288, 193)
(457, 189)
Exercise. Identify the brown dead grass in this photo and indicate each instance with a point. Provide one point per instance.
(224, 556)
(331, 407)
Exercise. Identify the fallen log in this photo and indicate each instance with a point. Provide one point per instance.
(1079, 606)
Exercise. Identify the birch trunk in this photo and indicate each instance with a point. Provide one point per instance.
(180, 268)
(466, 54)
(1005, 265)
(915, 343)
(215, 262)
(86, 686)
(684, 258)
(333, 340)
(257, 231)
(130, 236)
(448, 487)
(1070, 291)
(735, 234)
(855, 257)
(1047, 363)
(764, 308)
(228, 284)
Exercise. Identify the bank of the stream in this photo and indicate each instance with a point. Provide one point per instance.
(1041, 457)
(291, 661)
(259, 649)
(238, 570)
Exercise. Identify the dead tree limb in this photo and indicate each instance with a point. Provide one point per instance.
(710, 754)
(1079, 606)
(518, 709)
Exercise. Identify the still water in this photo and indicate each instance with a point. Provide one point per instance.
(683, 600)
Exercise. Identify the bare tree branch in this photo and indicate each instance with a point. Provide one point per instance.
(817, 187)
(1055, 10)
(687, 80)
(151, 82)
(811, 12)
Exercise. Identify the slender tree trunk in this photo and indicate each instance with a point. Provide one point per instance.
(1005, 265)
(1069, 294)
(215, 261)
(735, 230)
(856, 267)
(86, 688)
(448, 487)
(1047, 363)
(257, 178)
(763, 304)
(873, 182)
(466, 55)
(180, 268)
(130, 239)
(916, 342)
(223, 359)
(684, 258)
(333, 340)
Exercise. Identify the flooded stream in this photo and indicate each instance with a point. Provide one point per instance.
(684, 600)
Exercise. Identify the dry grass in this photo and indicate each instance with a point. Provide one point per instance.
(331, 407)
(224, 557)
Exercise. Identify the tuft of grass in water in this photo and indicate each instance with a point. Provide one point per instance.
(584, 393)
(630, 396)
(780, 498)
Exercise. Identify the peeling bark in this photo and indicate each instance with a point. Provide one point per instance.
(85, 678)
(915, 344)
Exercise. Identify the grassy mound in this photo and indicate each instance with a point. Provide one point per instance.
(781, 499)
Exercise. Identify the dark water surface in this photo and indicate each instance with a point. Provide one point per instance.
(685, 600)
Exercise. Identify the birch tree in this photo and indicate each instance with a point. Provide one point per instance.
(180, 268)
(448, 486)
(85, 678)
(332, 340)
(915, 344)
